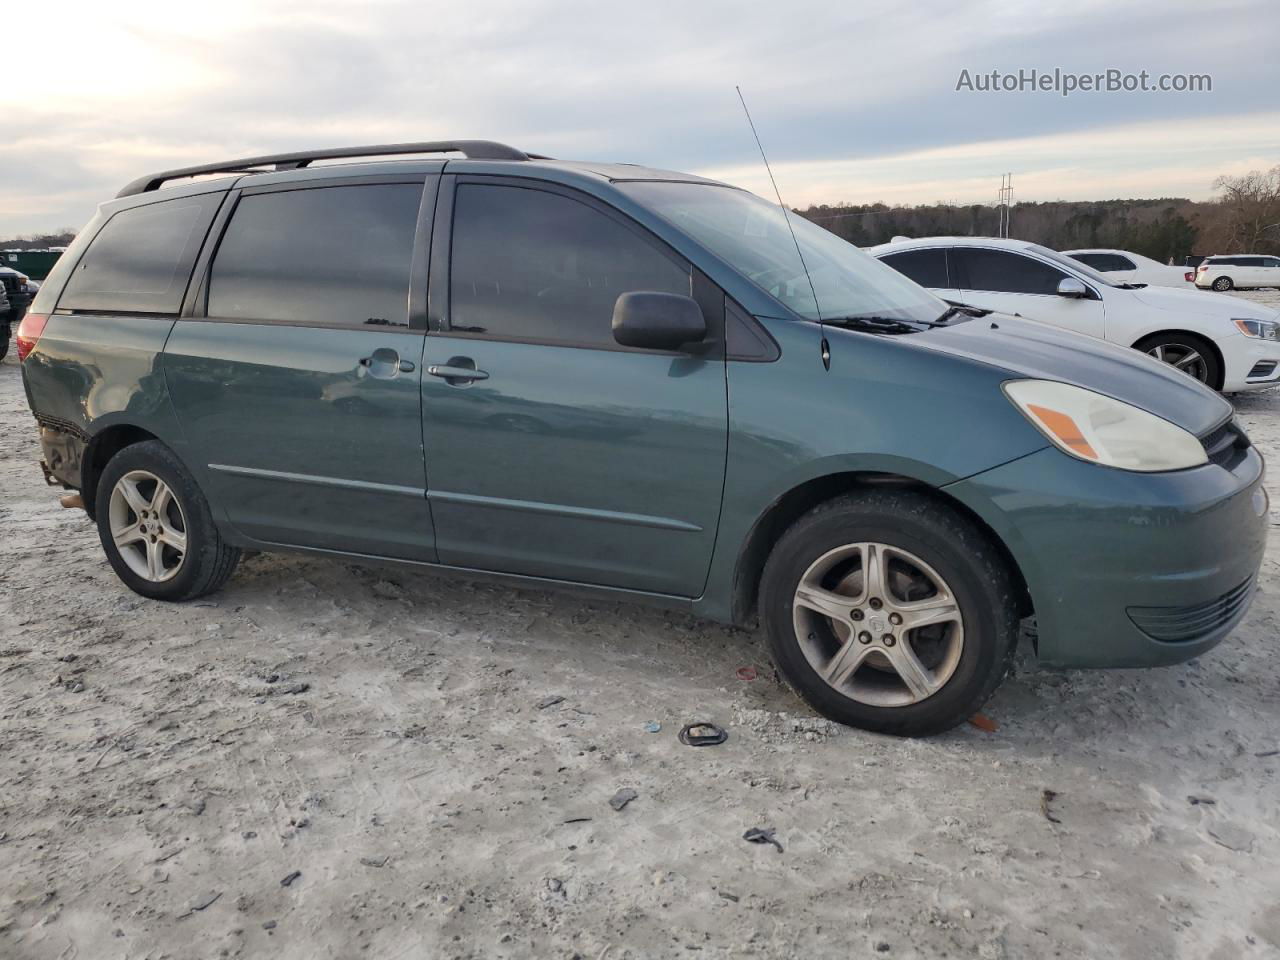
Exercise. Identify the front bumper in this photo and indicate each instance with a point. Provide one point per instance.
(1105, 550)
(1249, 363)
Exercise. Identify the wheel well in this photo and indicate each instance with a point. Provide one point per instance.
(794, 504)
(1198, 337)
(102, 447)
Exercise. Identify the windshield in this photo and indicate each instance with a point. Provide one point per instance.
(751, 235)
(1078, 266)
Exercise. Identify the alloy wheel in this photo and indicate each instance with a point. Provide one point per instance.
(1182, 357)
(148, 526)
(878, 624)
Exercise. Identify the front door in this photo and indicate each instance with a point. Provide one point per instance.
(1013, 283)
(299, 389)
(551, 450)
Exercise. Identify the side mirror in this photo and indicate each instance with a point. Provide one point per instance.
(1072, 288)
(657, 321)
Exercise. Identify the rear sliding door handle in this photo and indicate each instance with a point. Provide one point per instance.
(458, 371)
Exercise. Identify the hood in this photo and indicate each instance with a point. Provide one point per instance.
(1027, 349)
(1204, 303)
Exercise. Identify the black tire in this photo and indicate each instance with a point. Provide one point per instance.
(1176, 344)
(960, 552)
(5, 334)
(1222, 284)
(208, 561)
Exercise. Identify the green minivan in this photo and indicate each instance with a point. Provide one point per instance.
(639, 384)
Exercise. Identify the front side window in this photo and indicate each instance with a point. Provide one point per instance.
(926, 267)
(330, 256)
(141, 260)
(752, 236)
(532, 265)
(1000, 271)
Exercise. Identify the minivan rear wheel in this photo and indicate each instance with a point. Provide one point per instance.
(890, 611)
(156, 527)
(1222, 283)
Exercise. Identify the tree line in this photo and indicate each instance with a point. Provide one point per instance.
(1244, 217)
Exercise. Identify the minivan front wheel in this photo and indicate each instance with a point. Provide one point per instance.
(890, 611)
(156, 528)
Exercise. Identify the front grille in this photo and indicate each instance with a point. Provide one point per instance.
(1226, 445)
(1188, 624)
(10, 283)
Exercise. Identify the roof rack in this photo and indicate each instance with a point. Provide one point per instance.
(471, 149)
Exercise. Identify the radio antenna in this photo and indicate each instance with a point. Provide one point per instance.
(786, 216)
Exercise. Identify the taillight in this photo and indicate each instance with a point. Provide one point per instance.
(1189, 277)
(29, 331)
(1203, 268)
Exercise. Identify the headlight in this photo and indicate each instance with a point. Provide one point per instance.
(1261, 329)
(1100, 429)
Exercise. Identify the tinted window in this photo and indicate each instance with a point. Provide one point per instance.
(141, 260)
(1099, 261)
(1002, 272)
(926, 267)
(533, 265)
(1249, 261)
(1270, 262)
(334, 255)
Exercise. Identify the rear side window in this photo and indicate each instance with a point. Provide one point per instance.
(1099, 261)
(926, 267)
(1001, 272)
(533, 265)
(141, 260)
(328, 256)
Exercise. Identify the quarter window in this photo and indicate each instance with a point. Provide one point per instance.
(926, 267)
(999, 271)
(330, 256)
(141, 260)
(533, 265)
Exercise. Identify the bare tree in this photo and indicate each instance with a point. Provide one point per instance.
(1252, 207)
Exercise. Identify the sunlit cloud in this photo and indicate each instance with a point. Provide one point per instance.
(855, 102)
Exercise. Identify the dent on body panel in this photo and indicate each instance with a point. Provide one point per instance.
(92, 370)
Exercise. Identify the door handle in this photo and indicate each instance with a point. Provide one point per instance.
(459, 371)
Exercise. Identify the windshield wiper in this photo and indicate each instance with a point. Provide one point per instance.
(958, 309)
(883, 324)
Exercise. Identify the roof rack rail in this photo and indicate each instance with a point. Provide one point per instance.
(471, 149)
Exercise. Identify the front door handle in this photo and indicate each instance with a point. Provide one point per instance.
(459, 371)
(385, 363)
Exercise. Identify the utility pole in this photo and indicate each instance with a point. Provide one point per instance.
(1004, 204)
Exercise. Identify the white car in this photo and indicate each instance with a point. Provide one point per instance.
(1226, 342)
(1239, 270)
(1121, 266)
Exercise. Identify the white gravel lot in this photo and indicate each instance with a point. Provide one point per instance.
(377, 736)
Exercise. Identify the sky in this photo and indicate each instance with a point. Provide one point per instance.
(855, 100)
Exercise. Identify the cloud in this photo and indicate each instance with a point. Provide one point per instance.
(841, 92)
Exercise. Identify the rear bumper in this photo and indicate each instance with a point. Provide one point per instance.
(1127, 569)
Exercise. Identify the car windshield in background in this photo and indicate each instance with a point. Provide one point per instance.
(1071, 263)
(751, 235)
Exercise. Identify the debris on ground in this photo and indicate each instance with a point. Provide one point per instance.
(653, 726)
(1198, 801)
(622, 798)
(1046, 798)
(762, 835)
(746, 673)
(983, 722)
(702, 734)
(288, 881)
(372, 862)
(549, 702)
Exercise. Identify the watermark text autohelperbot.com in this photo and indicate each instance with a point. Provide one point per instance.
(1065, 83)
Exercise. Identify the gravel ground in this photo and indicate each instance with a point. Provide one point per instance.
(331, 761)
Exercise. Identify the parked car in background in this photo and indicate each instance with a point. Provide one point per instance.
(1227, 343)
(1121, 266)
(15, 287)
(1238, 272)
(5, 329)
(524, 374)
